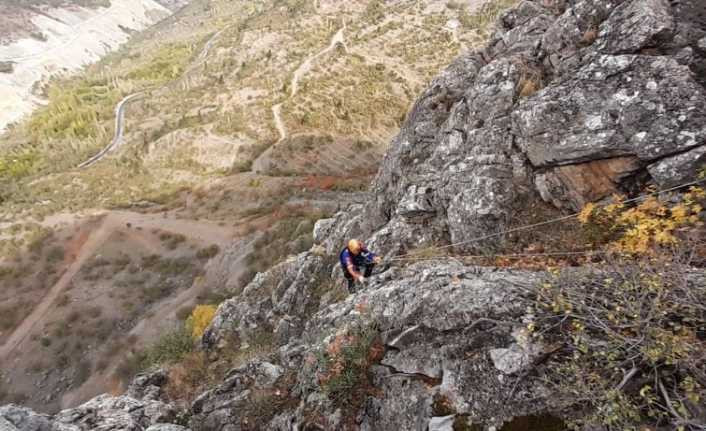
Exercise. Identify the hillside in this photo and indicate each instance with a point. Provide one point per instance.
(44, 39)
(537, 195)
(235, 132)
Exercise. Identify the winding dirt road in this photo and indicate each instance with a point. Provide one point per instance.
(301, 71)
(304, 68)
(119, 129)
(120, 107)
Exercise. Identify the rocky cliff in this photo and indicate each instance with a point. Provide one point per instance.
(576, 105)
(568, 102)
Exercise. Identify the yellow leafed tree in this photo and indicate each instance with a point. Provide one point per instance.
(200, 318)
(646, 226)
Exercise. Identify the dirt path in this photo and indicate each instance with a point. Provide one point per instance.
(204, 231)
(120, 107)
(306, 66)
(159, 320)
(259, 163)
(119, 129)
(279, 124)
(87, 249)
(201, 58)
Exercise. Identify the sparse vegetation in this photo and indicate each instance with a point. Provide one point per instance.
(75, 110)
(168, 349)
(208, 252)
(344, 365)
(55, 254)
(165, 64)
(9, 317)
(200, 318)
(171, 240)
(226, 93)
(289, 236)
(645, 227)
(489, 12)
(630, 350)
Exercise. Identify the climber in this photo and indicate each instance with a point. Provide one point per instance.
(354, 257)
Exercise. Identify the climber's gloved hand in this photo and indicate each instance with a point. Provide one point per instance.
(377, 259)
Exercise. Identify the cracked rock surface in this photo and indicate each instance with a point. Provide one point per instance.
(559, 89)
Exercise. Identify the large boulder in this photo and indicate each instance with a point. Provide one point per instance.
(16, 418)
(104, 413)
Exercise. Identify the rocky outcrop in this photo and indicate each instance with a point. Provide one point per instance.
(569, 102)
(138, 410)
(276, 303)
(430, 318)
(574, 102)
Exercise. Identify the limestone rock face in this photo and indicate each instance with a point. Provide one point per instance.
(568, 101)
(15, 418)
(116, 413)
(274, 303)
(138, 410)
(575, 102)
(431, 317)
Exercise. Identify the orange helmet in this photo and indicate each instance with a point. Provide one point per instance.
(355, 246)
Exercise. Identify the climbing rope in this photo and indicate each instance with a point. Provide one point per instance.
(503, 256)
(544, 223)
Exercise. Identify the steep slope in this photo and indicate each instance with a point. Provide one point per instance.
(567, 102)
(125, 244)
(570, 106)
(454, 340)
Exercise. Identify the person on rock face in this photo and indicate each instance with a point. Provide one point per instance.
(354, 257)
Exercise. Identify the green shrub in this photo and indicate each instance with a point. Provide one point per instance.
(167, 63)
(170, 348)
(22, 163)
(172, 240)
(629, 343)
(55, 254)
(75, 109)
(343, 366)
(208, 252)
(9, 317)
(38, 239)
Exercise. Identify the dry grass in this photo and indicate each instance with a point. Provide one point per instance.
(528, 86)
(589, 36)
(196, 372)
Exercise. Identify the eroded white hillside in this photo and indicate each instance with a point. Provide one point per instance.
(72, 37)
